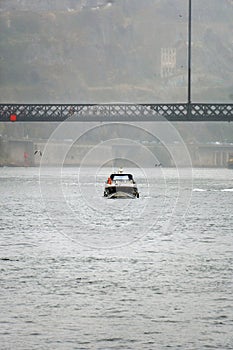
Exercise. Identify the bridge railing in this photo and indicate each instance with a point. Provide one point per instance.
(184, 112)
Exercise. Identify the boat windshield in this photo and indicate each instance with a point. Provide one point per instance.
(121, 177)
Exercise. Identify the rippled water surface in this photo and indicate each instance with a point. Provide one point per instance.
(79, 271)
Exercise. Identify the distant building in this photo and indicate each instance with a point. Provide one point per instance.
(168, 62)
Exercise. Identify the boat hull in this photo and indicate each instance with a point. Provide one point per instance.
(121, 192)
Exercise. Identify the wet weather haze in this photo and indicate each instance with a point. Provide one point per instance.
(116, 234)
(86, 51)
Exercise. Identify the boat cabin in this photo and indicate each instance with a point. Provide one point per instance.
(122, 177)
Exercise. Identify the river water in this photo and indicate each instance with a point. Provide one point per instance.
(79, 271)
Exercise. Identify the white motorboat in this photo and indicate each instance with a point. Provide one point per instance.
(121, 185)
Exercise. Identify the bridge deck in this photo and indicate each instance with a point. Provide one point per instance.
(116, 112)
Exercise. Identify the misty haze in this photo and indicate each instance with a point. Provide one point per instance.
(115, 234)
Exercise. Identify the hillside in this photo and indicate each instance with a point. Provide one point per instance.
(110, 51)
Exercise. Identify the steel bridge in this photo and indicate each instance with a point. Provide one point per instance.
(173, 112)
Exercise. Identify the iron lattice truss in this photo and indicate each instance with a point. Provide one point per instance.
(116, 112)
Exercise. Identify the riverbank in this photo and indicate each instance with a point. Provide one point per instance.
(29, 153)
